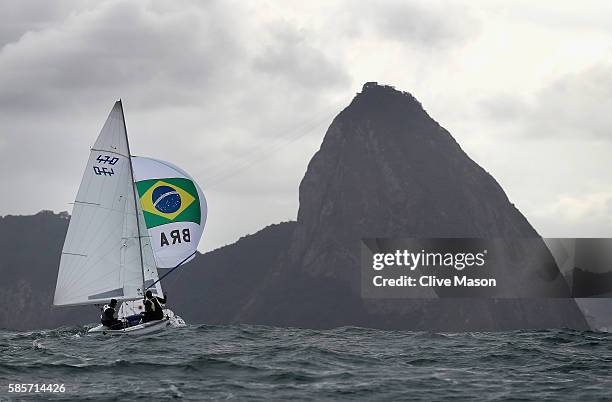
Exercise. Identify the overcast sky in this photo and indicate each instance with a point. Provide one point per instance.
(240, 94)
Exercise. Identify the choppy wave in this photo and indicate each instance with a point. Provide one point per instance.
(257, 362)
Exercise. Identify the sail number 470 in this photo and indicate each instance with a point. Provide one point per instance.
(105, 159)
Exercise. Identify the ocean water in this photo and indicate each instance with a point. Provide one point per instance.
(201, 362)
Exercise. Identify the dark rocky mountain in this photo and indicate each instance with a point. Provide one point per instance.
(385, 169)
(30, 247)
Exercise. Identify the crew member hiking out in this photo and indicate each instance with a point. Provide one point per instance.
(109, 316)
(153, 308)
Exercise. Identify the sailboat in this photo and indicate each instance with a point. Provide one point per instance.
(132, 215)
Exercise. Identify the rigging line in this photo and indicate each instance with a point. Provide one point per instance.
(133, 185)
(231, 171)
(167, 164)
(92, 205)
(169, 272)
(257, 144)
(108, 151)
(267, 148)
(262, 144)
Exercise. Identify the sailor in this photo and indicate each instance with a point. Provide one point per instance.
(153, 308)
(109, 316)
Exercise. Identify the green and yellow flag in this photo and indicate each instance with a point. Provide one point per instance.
(169, 200)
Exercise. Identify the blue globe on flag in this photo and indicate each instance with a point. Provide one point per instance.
(166, 199)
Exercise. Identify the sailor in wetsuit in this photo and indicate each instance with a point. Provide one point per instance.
(109, 316)
(153, 308)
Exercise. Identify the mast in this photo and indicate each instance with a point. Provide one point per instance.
(135, 197)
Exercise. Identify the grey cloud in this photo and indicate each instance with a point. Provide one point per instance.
(585, 215)
(576, 106)
(289, 56)
(119, 45)
(504, 108)
(419, 23)
(18, 18)
(566, 16)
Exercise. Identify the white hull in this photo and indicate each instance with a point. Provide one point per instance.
(170, 320)
(139, 329)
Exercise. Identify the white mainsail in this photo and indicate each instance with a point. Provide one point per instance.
(106, 253)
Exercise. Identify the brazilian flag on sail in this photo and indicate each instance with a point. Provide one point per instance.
(169, 200)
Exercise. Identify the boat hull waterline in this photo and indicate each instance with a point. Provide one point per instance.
(139, 329)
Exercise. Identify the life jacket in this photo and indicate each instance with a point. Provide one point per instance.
(108, 313)
(154, 308)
